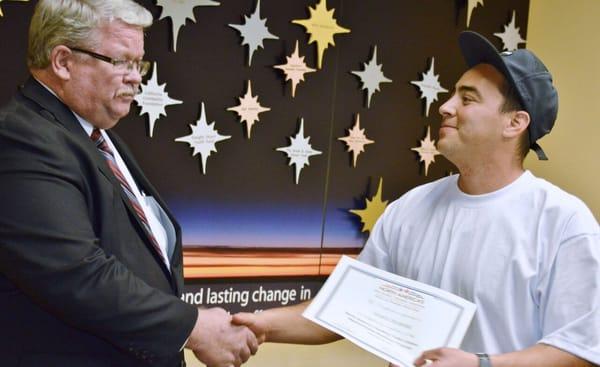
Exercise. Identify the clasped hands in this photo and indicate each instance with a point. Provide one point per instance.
(218, 340)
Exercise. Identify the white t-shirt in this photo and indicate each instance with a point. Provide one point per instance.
(528, 255)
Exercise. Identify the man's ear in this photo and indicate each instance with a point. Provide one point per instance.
(61, 61)
(519, 121)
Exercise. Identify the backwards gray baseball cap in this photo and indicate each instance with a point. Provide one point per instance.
(526, 74)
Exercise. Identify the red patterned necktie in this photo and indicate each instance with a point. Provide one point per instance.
(112, 163)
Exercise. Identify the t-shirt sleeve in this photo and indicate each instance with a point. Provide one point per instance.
(570, 306)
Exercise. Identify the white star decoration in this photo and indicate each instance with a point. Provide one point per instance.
(203, 138)
(299, 150)
(427, 151)
(153, 99)
(294, 69)
(472, 4)
(179, 10)
(510, 37)
(429, 86)
(356, 140)
(248, 109)
(254, 31)
(371, 76)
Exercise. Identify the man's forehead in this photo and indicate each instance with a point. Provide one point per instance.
(480, 76)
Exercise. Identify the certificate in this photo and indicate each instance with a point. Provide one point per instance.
(393, 317)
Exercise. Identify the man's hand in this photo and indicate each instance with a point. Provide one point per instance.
(448, 357)
(217, 342)
(253, 322)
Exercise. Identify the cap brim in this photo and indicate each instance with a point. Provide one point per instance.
(476, 49)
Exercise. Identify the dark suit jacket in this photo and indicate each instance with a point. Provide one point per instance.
(80, 283)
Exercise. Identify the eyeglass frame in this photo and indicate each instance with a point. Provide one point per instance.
(142, 66)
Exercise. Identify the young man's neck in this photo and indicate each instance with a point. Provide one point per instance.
(488, 177)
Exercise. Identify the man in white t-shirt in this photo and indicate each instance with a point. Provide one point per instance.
(524, 251)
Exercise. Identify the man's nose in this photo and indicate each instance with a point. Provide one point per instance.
(447, 108)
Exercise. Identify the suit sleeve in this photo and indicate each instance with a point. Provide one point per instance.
(48, 249)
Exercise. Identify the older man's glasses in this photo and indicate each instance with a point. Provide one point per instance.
(122, 66)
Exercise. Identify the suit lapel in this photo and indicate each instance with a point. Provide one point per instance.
(144, 184)
(54, 110)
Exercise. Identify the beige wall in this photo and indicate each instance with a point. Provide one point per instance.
(564, 34)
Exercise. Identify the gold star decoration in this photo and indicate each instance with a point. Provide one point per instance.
(356, 140)
(295, 68)
(511, 36)
(372, 211)
(2, 13)
(248, 109)
(427, 151)
(472, 4)
(322, 26)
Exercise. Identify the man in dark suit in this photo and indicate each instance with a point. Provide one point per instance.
(90, 256)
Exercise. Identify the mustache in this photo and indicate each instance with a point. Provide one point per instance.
(129, 92)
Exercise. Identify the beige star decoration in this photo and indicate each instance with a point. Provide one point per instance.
(248, 109)
(322, 26)
(511, 36)
(356, 140)
(295, 68)
(472, 4)
(427, 151)
(374, 208)
(2, 13)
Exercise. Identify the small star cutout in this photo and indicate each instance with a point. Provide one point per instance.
(153, 99)
(294, 69)
(510, 37)
(356, 140)
(373, 210)
(179, 11)
(472, 4)
(2, 13)
(248, 109)
(299, 150)
(371, 76)
(427, 151)
(203, 138)
(429, 86)
(322, 26)
(254, 31)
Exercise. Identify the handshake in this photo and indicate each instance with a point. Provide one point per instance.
(221, 340)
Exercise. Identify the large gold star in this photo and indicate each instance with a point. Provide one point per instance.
(248, 109)
(322, 26)
(427, 151)
(2, 13)
(372, 212)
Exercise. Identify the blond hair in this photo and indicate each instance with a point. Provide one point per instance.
(74, 23)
